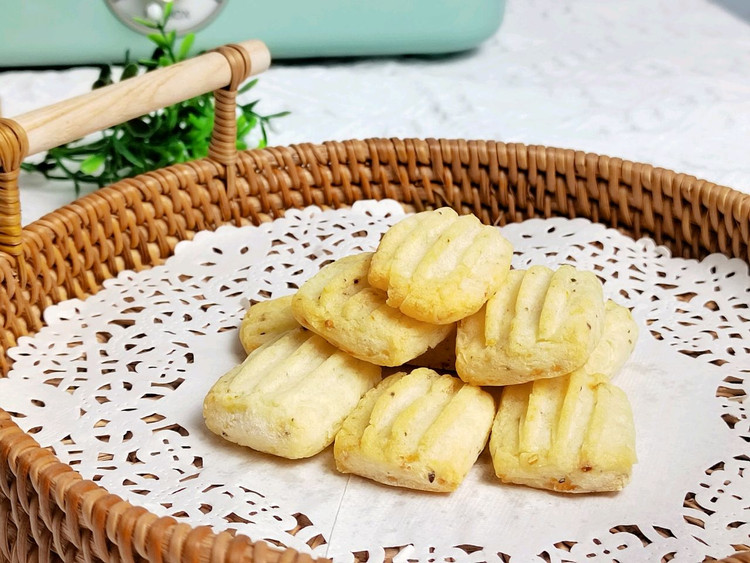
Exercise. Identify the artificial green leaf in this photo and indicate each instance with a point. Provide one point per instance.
(129, 71)
(146, 23)
(157, 54)
(185, 45)
(150, 64)
(247, 86)
(92, 163)
(159, 40)
(138, 128)
(171, 120)
(123, 150)
(248, 108)
(167, 12)
(105, 77)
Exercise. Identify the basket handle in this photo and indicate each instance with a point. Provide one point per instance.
(221, 71)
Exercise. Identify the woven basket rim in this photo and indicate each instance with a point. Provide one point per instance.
(271, 151)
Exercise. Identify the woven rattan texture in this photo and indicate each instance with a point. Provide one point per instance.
(47, 512)
(13, 148)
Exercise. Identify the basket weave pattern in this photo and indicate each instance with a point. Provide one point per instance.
(47, 511)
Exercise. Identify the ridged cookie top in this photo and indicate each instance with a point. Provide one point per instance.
(573, 433)
(438, 267)
(290, 395)
(421, 430)
(617, 341)
(540, 323)
(339, 304)
(290, 371)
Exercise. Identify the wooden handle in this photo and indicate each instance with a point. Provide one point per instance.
(77, 117)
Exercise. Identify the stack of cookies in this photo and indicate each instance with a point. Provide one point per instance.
(438, 300)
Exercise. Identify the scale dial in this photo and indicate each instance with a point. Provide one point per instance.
(187, 15)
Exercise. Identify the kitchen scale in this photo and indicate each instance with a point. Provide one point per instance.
(71, 32)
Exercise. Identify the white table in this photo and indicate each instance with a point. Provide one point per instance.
(656, 81)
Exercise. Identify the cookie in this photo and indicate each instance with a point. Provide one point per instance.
(290, 396)
(339, 304)
(617, 342)
(439, 267)
(540, 323)
(573, 434)
(419, 430)
(265, 320)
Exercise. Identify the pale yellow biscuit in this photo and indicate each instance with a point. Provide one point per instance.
(439, 267)
(418, 430)
(339, 304)
(573, 434)
(265, 320)
(290, 396)
(540, 323)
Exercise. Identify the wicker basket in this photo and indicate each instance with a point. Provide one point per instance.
(47, 510)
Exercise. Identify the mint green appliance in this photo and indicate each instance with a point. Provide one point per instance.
(67, 32)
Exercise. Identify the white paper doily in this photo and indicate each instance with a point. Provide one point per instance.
(114, 385)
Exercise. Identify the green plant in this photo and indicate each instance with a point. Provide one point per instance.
(177, 133)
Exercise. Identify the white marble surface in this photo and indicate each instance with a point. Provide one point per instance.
(656, 81)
